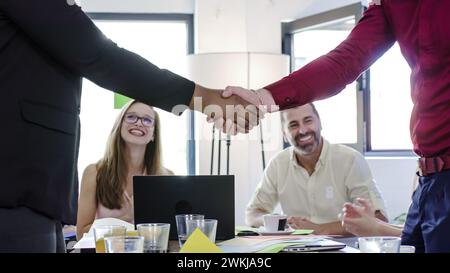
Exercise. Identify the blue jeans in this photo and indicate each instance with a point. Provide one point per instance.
(427, 225)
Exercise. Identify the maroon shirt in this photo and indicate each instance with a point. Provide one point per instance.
(422, 28)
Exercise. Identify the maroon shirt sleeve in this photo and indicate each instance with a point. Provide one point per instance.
(329, 74)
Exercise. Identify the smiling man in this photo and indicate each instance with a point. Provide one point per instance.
(312, 179)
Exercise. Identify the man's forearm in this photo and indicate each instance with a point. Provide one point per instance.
(382, 228)
(202, 93)
(198, 93)
(333, 228)
(254, 218)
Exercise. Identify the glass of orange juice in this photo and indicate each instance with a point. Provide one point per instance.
(100, 232)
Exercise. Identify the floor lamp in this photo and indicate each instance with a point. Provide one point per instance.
(228, 144)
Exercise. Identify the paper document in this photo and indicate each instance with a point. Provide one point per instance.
(88, 238)
(265, 243)
(257, 230)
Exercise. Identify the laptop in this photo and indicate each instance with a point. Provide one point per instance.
(321, 245)
(157, 199)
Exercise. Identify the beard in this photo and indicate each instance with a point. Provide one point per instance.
(306, 148)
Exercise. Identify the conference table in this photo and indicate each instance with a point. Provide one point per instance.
(174, 247)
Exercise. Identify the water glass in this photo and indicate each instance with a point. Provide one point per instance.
(181, 225)
(207, 226)
(156, 237)
(124, 244)
(101, 232)
(380, 244)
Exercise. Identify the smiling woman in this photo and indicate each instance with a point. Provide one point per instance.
(134, 148)
(138, 125)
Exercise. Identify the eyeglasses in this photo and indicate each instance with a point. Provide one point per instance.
(133, 118)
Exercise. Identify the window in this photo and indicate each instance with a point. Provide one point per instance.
(311, 37)
(373, 114)
(319, 40)
(390, 103)
(163, 40)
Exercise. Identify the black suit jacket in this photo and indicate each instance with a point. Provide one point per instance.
(46, 47)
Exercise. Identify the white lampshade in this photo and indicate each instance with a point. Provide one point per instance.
(250, 70)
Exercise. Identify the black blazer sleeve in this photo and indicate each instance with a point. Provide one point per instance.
(66, 34)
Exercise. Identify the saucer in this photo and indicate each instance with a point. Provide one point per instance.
(263, 231)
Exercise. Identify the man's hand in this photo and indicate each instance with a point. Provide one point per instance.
(245, 94)
(359, 219)
(231, 114)
(302, 223)
(261, 97)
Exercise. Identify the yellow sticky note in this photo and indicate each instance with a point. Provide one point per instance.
(198, 242)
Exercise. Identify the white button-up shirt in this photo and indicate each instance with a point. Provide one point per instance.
(341, 175)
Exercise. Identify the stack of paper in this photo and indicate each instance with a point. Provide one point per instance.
(265, 244)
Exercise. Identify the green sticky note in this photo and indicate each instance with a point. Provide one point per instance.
(245, 228)
(302, 231)
(120, 100)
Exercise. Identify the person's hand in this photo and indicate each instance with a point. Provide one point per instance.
(302, 223)
(244, 93)
(359, 218)
(359, 208)
(231, 114)
(261, 97)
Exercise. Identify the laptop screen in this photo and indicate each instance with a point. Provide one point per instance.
(157, 199)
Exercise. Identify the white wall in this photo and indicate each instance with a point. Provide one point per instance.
(395, 178)
(255, 26)
(220, 26)
(250, 25)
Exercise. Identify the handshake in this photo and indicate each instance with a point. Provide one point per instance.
(235, 109)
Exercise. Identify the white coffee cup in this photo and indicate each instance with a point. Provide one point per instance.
(275, 222)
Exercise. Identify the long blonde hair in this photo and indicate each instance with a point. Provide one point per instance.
(112, 169)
